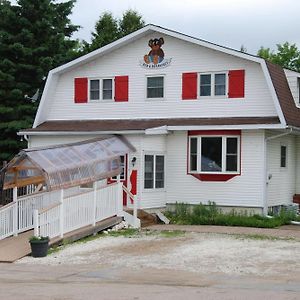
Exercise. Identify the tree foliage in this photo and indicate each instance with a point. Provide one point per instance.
(287, 56)
(35, 36)
(108, 29)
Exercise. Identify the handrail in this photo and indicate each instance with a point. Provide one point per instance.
(49, 208)
(126, 190)
(7, 206)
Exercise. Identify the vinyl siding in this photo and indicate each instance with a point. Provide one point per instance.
(243, 191)
(282, 185)
(292, 78)
(297, 165)
(186, 57)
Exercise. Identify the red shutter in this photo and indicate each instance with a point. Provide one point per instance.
(189, 86)
(81, 90)
(236, 84)
(121, 88)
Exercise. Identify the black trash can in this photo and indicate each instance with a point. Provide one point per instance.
(39, 246)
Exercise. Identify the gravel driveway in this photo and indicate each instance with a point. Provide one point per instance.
(195, 252)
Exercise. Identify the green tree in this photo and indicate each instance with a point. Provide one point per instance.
(287, 56)
(35, 36)
(108, 29)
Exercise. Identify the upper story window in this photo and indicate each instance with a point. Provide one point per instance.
(101, 89)
(213, 84)
(155, 87)
(214, 154)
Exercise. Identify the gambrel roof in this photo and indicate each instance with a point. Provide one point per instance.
(287, 112)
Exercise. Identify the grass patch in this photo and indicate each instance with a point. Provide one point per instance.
(129, 232)
(171, 233)
(210, 215)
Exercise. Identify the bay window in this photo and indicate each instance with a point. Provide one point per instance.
(214, 154)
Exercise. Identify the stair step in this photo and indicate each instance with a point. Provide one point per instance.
(296, 198)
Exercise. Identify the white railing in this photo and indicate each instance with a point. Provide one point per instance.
(74, 212)
(7, 221)
(17, 216)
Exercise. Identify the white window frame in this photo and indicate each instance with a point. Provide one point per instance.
(224, 153)
(164, 87)
(101, 89)
(212, 85)
(154, 189)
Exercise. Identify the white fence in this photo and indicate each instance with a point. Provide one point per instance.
(17, 216)
(76, 211)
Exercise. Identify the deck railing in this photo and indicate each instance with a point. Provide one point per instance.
(77, 211)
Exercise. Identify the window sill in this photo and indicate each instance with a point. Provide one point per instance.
(214, 177)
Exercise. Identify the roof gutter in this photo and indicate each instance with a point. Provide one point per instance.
(60, 133)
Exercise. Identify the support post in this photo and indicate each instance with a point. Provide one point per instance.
(94, 203)
(135, 211)
(36, 222)
(119, 197)
(61, 213)
(15, 211)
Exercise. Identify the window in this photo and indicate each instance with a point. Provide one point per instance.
(214, 154)
(283, 155)
(107, 91)
(154, 172)
(155, 87)
(123, 168)
(298, 90)
(95, 89)
(103, 85)
(213, 84)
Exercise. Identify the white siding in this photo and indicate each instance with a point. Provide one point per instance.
(292, 78)
(282, 185)
(245, 190)
(298, 165)
(143, 144)
(186, 57)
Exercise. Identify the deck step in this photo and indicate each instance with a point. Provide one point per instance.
(296, 198)
(146, 218)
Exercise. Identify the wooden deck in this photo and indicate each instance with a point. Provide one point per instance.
(16, 247)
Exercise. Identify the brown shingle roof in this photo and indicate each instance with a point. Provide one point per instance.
(286, 101)
(142, 124)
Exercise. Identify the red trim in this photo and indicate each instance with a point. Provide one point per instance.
(236, 86)
(189, 86)
(133, 181)
(214, 132)
(214, 177)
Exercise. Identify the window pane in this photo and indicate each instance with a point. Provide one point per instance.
(205, 79)
(231, 146)
(149, 172)
(211, 154)
(193, 154)
(283, 157)
(94, 95)
(231, 163)
(155, 82)
(122, 175)
(205, 85)
(107, 95)
(159, 171)
(220, 84)
(94, 84)
(107, 84)
(155, 93)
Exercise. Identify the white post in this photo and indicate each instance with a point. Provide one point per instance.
(94, 203)
(36, 222)
(135, 211)
(119, 197)
(15, 211)
(61, 213)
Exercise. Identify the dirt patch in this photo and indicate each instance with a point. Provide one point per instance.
(194, 252)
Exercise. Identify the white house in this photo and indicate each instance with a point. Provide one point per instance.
(208, 123)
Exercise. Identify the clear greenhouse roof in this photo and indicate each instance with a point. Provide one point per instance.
(69, 165)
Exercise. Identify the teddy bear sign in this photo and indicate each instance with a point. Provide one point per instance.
(156, 57)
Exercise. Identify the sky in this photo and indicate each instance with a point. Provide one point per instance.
(231, 23)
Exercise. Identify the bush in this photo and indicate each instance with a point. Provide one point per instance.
(210, 215)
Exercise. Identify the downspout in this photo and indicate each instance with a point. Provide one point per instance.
(265, 195)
